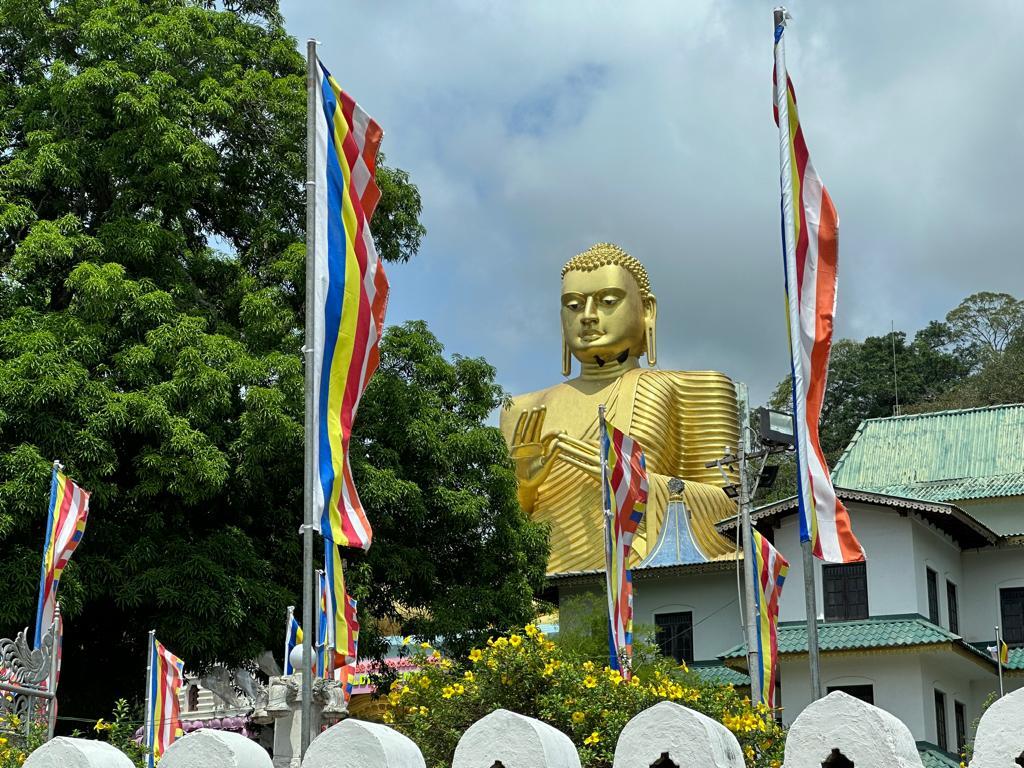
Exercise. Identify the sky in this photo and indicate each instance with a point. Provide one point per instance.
(535, 129)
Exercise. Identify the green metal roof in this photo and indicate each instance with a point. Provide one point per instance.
(933, 756)
(944, 456)
(885, 632)
(718, 674)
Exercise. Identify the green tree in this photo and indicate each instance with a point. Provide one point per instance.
(151, 296)
(985, 322)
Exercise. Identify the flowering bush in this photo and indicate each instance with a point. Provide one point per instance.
(529, 674)
(14, 747)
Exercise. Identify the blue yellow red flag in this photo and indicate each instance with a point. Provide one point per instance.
(163, 723)
(350, 298)
(624, 478)
(770, 570)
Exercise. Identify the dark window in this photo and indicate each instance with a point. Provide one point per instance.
(940, 720)
(865, 693)
(675, 634)
(664, 762)
(961, 725)
(1011, 606)
(933, 596)
(193, 698)
(954, 608)
(846, 591)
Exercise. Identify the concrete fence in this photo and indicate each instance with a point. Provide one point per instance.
(838, 731)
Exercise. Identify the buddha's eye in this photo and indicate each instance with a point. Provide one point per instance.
(609, 301)
(573, 305)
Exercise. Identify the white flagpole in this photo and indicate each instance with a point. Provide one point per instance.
(55, 651)
(147, 737)
(288, 636)
(606, 504)
(788, 213)
(999, 658)
(312, 82)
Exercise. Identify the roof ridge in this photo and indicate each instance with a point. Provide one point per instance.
(925, 414)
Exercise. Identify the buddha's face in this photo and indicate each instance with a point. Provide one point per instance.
(603, 314)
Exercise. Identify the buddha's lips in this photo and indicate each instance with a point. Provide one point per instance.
(591, 335)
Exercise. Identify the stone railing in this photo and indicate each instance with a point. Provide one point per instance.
(838, 731)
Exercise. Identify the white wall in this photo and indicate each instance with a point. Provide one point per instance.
(887, 539)
(1005, 515)
(985, 571)
(934, 549)
(710, 596)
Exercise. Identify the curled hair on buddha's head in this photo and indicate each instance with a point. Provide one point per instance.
(603, 254)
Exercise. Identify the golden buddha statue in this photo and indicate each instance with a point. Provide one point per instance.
(682, 419)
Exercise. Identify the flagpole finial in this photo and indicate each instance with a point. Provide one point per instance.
(781, 16)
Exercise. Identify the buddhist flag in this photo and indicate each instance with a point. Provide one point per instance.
(770, 569)
(624, 477)
(344, 629)
(65, 525)
(163, 724)
(810, 228)
(349, 298)
(292, 637)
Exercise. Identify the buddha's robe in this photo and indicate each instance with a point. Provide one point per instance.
(682, 419)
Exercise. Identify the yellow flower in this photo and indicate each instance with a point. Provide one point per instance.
(475, 655)
(435, 655)
(388, 717)
(593, 738)
(469, 675)
(578, 717)
(588, 666)
(407, 639)
(749, 752)
(424, 644)
(515, 641)
(531, 630)
(424, 710)
(549, 669)
(101, 725)
(501, 642)
(459, 689)
(424, 682)
(590, 681)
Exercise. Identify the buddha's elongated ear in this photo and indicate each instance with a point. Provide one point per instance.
(651, 327)
(566, 356)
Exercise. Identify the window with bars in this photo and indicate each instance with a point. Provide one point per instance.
(940, 720)
(846, 591)
(933, 596)
(953, 604)
(960, 715)
(1011, 608)
(674, 632)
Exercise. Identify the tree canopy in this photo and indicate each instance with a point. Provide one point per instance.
(151, 298)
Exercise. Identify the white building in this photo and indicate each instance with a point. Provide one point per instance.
(937, 501)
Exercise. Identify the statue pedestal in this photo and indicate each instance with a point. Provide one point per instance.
(284, 709)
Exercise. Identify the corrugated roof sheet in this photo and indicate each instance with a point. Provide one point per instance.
(721, 675)
(890, 632)
(933, 756)
(944, 456)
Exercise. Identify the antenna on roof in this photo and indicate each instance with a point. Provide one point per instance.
(895, 377)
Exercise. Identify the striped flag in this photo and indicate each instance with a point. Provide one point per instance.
(163, 726)
(624, 476)
(770, 569)
(349, 300)
(810, 228)
(344, 631)
(324, 638)
(69, 510)
(292, 637)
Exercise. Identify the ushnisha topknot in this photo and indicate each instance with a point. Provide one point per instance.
(603, 254)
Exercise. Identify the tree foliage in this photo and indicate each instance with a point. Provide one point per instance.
(151, 296)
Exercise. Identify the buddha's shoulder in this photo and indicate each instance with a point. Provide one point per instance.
(689, 380)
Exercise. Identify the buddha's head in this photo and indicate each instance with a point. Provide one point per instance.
(608, 311)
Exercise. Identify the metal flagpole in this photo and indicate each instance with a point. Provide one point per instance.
(308, 501)
(58, 636)
(750, 617)
(782, 104)
(147, 737)
(999, 658)
(606, 503)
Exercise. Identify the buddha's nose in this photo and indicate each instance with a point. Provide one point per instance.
(590, 311)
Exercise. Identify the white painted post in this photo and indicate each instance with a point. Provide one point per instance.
(686, 737)
(867, 736)
(66, 752)
(1000, 737)
(207, 748)
(516, 741)
(358, 744)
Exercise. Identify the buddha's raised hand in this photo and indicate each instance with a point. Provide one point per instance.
(532, 453)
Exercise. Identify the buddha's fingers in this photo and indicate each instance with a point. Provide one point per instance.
(536, 424)
(586, 466)
(517, 433)
(580, 445)
(570, 450)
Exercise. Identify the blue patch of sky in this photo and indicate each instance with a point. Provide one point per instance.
(559, 104)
